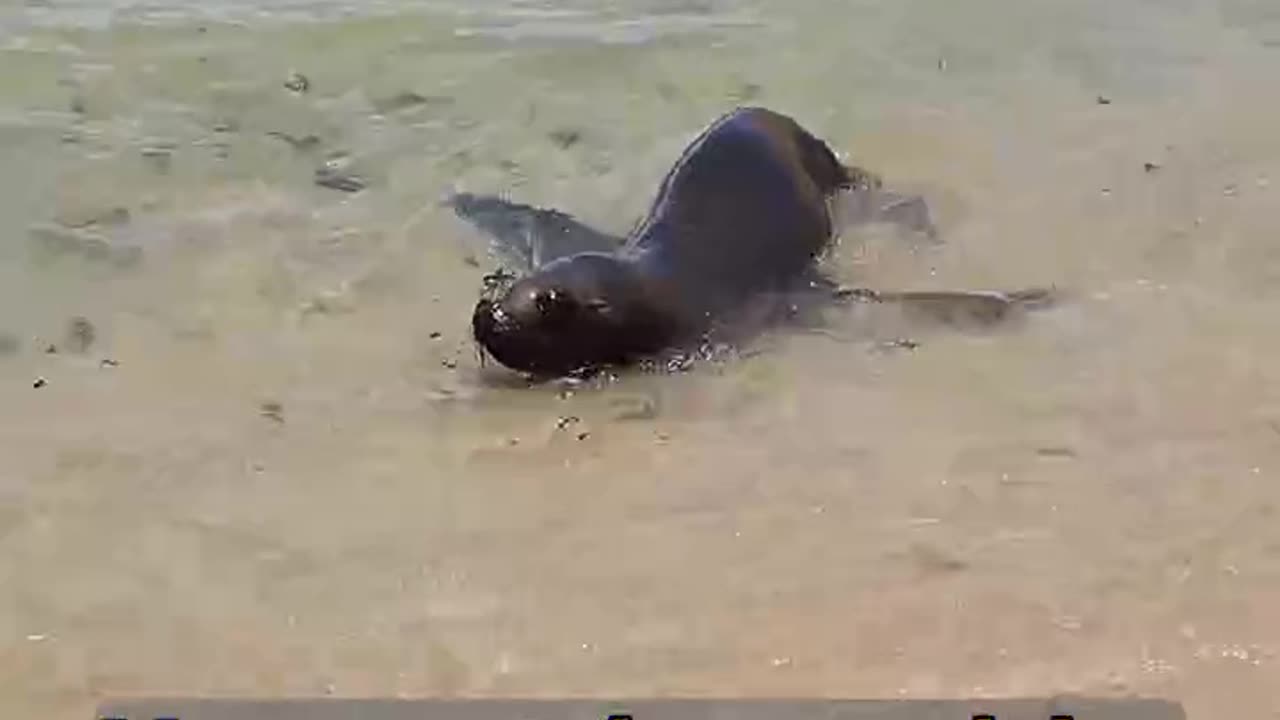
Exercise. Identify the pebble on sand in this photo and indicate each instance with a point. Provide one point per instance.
(272, 411)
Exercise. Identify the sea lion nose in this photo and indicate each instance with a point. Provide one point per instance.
(487, 319)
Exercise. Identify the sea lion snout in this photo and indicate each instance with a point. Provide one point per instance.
(506, 336)
(571, 315)
(538, 327)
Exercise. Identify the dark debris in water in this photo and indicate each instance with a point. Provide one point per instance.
(272, 410)
(856, 294)
(297, 83)
(931, 559)
(56, 242)
(115, 216)
(160, 156)
(300, 143)
(80, 335)
(407, 100)
(900, 344)
(328, 177)
(565, 137)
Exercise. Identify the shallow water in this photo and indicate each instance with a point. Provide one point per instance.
(285, 483)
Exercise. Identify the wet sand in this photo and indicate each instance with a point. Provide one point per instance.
(291, 477)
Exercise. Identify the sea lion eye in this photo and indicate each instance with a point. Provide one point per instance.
(554, 305)
(547, 300)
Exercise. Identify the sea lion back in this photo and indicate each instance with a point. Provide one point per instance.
(743, 208)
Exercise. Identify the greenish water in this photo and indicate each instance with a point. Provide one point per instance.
(291, 477)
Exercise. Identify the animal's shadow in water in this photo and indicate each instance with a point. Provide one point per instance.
(523, 238)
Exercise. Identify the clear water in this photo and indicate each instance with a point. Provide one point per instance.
(286, 485)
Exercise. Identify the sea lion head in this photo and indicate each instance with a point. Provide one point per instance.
(576, 313)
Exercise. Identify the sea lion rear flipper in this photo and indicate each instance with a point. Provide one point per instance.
(958, 308)
(527, 236)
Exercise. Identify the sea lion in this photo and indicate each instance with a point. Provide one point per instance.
(746, 210)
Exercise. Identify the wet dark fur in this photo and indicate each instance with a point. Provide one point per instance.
(744, 211)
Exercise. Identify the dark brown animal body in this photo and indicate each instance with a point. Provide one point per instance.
(745, 210)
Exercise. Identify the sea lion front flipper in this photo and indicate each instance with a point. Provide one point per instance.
(908, 211)
(861, 206)
(958, 308)
(528, 236)
(864, 199)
